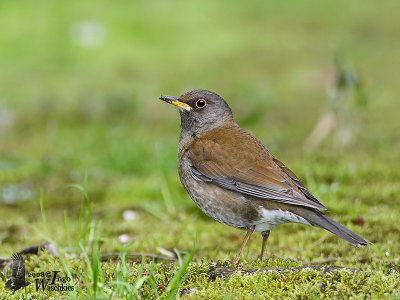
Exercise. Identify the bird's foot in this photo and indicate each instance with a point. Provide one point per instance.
(236, 263)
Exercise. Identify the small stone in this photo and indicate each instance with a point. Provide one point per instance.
(129, 215)
(166, 252)
(360, 221)
(124, 238)
(187, 291)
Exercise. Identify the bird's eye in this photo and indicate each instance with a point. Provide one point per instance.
(201, 103)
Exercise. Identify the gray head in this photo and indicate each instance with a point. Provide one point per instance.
(201, 110)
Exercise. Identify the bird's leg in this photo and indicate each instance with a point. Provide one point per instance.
(265, 235)
(246, 238)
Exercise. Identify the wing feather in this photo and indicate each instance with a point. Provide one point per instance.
(18, 267)
(255, 172)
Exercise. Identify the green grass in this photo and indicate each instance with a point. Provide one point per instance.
(83, 138)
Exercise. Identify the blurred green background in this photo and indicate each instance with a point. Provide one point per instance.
(83, 133)
(80, 82)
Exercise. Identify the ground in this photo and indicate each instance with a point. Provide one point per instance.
(88, 152)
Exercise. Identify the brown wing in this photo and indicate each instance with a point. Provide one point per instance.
(296, 181)
(247, 167)
(18, 267)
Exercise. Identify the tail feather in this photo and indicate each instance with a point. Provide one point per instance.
(321, 220)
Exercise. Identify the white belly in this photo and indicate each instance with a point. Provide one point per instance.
(272, 218)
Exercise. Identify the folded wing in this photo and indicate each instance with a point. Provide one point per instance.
(253, 172)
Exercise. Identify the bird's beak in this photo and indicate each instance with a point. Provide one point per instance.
(174, 101)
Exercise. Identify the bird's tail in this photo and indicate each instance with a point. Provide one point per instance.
(321, 220)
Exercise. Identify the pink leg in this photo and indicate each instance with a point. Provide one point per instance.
(265, 235)
(246, 238)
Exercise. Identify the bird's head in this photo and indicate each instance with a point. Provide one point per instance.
(201, 110)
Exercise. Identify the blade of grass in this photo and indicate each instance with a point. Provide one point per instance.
(87, 227)
(95, 265)
(66, 226)
(42, 211)
(166, 196)
(152, 280)
(173, 285)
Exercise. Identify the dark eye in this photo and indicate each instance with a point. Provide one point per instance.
(201, 103)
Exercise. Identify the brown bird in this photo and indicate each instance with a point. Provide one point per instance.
(234, 178)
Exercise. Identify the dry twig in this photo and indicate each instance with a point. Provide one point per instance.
(216, 272)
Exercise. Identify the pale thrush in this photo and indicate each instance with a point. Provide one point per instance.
(235, 179)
